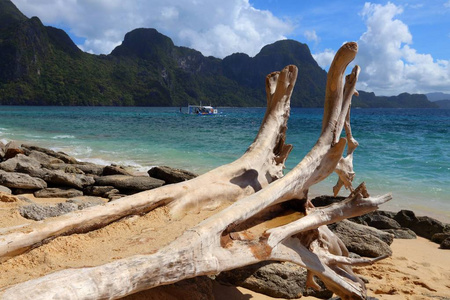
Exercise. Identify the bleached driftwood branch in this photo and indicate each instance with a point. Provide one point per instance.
(254, 228)
(261, 164)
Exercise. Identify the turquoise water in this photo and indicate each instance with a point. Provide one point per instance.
(403, 151)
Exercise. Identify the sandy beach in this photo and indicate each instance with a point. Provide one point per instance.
(418, 269)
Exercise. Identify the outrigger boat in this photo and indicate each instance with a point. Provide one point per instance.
(202, 110)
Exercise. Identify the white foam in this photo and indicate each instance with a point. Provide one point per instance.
(64, 136)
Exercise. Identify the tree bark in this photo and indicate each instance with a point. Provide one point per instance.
(257, 226)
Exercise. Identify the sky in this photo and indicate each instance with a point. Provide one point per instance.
(404, 45)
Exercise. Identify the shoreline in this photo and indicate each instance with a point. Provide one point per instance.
(317, 190)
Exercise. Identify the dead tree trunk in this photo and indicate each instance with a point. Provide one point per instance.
(254, 228)
(262, 163)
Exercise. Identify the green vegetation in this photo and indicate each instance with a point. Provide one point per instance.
(40, 65)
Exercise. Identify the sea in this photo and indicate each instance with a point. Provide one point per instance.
(405, 152)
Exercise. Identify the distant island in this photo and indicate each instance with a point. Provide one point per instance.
(41, 65)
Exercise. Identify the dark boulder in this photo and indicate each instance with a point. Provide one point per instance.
(129, 183)
(57, 193)
(363, 240)
(423, 226)
(275, 279)
(380, 221)
(445, 244)
(21, 181)
(440, 237)
(170, 175)
(402, 233)
(325, 200)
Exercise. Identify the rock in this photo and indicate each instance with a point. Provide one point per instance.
(440, 237)
(114, 170)
(5, 190)
(423, 226)
(57, 193)
(100, 191)
(21, 181)
(129, 183)
(113, 197)
(363, 240)
(60, 155)
(2, 150)
(77, 168)
(20, 163)
(380, 221)
(275, 279)
(73, 170)
(447, 228)
(90, 168)
(44, 159)
(12, 149)
(445, 244)
(86, 201)
(170, 175)
(39, 212)
(402, 233)
(32, 167)
(59, 178)
(325, 200)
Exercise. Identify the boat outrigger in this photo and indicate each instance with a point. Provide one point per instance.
(202, 110)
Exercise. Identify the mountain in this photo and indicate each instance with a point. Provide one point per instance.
(404, 100)
(437, 96)
(443, 104)
(40, 65)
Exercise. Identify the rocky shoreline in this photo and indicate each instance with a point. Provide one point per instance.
(28, 169)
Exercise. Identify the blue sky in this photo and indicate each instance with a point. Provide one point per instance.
(403, 45)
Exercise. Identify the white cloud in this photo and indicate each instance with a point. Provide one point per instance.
(447, 4)
(311, 35)
(324, 58)
(389, 63)
(214, 27)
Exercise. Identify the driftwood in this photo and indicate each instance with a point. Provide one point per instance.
(257, 222)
